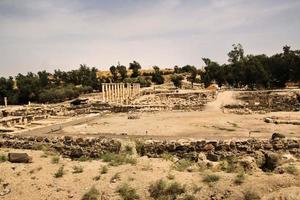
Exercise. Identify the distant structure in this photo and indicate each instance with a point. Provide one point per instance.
(119, 92)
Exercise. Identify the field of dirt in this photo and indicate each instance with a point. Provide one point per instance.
(36, 180)
(211, 123)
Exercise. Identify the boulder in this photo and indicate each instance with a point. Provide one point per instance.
(277, 136)
(213, 157)
(19, 158)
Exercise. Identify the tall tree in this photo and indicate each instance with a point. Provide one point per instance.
(135, 67)
(122, 71)
(157, 76)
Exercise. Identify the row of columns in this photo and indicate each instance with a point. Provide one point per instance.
(119, 92)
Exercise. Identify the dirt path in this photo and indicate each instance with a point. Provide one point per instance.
(223, 98)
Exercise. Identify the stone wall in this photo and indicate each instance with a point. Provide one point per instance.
(73, 147)
(94, 147)
(216, 150)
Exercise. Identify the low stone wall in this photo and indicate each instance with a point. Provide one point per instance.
(94, 147)
(216, 150)
(73, 147)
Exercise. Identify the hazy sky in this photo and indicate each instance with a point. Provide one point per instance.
(51, 34)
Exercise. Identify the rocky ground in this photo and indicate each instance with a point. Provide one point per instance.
(139, 177)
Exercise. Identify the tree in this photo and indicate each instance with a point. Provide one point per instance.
(177, 80)
(193, 74)
(28, 87)
(43, 78)
(122, 71)
(135, 67)
(157, 76)
(114, 72)
(237, 54)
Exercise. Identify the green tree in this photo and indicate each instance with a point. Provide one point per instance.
(122, 71)
(135, 67)
(177, 80)
(114, 72)
(157, 76)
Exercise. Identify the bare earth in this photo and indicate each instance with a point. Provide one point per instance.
(212, 123)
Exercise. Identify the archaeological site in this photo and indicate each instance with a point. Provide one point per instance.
(166, 105)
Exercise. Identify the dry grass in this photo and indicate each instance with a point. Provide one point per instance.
(92, 194)
(127, 192)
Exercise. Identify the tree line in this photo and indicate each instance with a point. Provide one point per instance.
(254, 71)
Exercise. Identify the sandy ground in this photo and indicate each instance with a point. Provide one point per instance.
(212, 123)
(35, 180)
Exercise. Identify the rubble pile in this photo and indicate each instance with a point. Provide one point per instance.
(176, 101)
(266, 101)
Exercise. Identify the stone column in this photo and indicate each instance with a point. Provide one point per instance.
(5, 101)
(109, 92)
(119, 97)
(122, 92)
(103, 94)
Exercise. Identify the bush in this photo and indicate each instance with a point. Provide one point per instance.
(211, 178)
(177, 80)
(251, 195)
(182, 165)
(104, 169)
(55, 95)
(77, 169)
(167, 156)
(118, 159)
(59, 173)
(92, 194)
(55, 160)
(291, 169)
(127, 192)
(128, 150)
(240, 178)
(144, 82)
(3, 158)
(162, 190)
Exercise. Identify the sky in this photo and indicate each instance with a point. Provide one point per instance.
(62, 34)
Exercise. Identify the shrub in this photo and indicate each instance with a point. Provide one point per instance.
(291, 169)
(251, 195)
(167, 156)
(77, 169)
(211, 178)
(162, 190)
(139, 146)
(128, 149)
(230, 164)
(104, 169)
(182, 165)
(240, 178)
(92, 194)
(59, 173)
(118, 159)
(127, 192)
(177, 80)
(83, 159)
(55, 160)
(3, 158)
